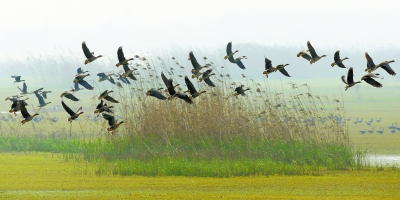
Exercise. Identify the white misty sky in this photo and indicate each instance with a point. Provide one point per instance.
(42, 26)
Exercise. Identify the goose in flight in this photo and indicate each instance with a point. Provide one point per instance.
(338, 61)
(179, 94)
(80, 71)
(15, 105)
(155, 93)
(269, 68)
(69, 95)
(206, 77)
(105, 76)
(73, 115)
(229, 53)
(24, 89)
(112, 122)
(44, 93)
(89, 55)
(304, 54)
(42, 103)
(313, 53)
(239, 63)
(349, 81)
(196, 66)
(103, 107)
(240, 90)
(17, 78)
(384, 65)
(104, 95)
(76, 88)
(121, 58)
(192, 89)
(79, 79)
(369, 78)
(128, 72)
(25, 114)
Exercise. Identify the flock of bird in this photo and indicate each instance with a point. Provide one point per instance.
(392, 128)
(19, 104)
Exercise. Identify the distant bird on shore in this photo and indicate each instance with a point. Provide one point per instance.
(89, 55)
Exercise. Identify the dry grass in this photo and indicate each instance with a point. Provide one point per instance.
(44, 175)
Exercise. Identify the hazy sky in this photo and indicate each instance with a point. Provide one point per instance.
(43, 26)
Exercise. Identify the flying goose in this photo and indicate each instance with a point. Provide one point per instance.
(121, 58)
(73, 115)
(112, 122)
(338, 61)
(42, 103)
(314, 55)
(369, 78)
(269, 68)
(69, 95)
(89, 55)
(192, 89)
(24, 89)
(206, 77)
(17, 78)
(384, 65)
(103, 107)
(229, 53)
(240, 90)
(104, 95)
(79, 79)
(155, 93)
(349, 81)
(25, 114)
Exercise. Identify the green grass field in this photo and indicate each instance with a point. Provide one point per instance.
(45, 175)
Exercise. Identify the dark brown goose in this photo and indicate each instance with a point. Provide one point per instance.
(73, 115)
(89, 55)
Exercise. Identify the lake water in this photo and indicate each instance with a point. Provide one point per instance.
(380, 159)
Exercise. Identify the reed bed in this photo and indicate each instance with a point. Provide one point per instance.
(291, 131)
